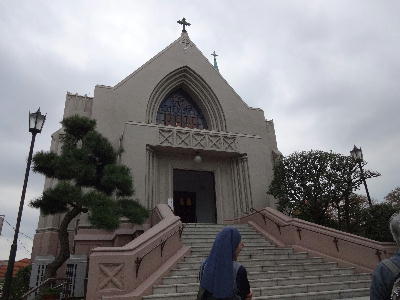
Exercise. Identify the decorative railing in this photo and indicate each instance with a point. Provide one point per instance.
(131, 270)
(199, 139)
(346, 248)
(56, 283)
(161, 244)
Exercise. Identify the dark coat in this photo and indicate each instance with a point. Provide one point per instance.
(383, 280)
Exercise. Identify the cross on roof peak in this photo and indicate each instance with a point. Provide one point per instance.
(215, 60)
(183, 23)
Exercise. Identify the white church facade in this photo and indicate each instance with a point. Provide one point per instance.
(188, 138)
(191, 142)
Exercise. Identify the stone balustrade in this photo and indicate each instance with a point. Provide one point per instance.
(345, 248)
(194, 138)
(129, 272)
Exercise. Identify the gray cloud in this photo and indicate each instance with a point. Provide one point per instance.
(325, 71)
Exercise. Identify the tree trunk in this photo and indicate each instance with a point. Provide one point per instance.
(63, 237)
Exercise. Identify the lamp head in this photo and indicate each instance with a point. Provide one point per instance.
(356, 154)
(36, 121)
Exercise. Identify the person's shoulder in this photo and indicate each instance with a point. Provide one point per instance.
(238, 267)
(396, 258)
(384, 267)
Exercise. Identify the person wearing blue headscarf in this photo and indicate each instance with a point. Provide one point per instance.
(219, 269)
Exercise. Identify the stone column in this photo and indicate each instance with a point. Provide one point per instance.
(235, 188)
(151, 178)
(246, 182)
(242, 196)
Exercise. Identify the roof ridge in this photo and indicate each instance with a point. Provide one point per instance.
(123, 81)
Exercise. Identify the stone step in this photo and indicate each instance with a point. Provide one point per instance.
(338, 294)
(214, 230)
(272, 289)
(183, 279)
(248, 256)
(298, 273)
(271, 282)
(209, 243)
(310, 288)
(251, 253)
(192, 270)
(356, 298)
(247, 249)
(321, 295)
(266, 283)
(257, 262)
(273, 272)
(215, 226)
(207, 234)
(202, 238)
(213, 233)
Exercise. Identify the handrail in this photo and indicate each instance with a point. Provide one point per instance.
(139, 260)
(266, 217)
(335, 238)
(48, 280)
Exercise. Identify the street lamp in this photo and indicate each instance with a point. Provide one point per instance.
(36, 122)
(357, 155)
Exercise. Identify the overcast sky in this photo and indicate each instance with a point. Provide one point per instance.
(327, 73)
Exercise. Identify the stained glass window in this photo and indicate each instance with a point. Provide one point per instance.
(178, 109)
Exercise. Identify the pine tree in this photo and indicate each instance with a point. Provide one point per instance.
(89, 180)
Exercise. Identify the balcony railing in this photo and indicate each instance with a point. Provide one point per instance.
(198, 139)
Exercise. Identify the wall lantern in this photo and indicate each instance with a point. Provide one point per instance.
(197, 158)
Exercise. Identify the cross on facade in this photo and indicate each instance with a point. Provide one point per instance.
(215, 60)
(184, 23)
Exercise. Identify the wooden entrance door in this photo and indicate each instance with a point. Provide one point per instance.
(185, 206)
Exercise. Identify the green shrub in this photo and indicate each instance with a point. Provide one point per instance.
(375, 222)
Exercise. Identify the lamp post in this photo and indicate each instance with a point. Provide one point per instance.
(357, 155)
(36, 122)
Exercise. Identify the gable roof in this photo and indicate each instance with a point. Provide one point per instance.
(150, 60)
(183, 39)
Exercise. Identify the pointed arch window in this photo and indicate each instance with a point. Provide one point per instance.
(178, 109)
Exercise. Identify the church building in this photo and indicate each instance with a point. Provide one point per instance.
(194, 146)
(189, 139)
(186, 135)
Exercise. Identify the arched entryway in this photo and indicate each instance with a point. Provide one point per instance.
(194, 196)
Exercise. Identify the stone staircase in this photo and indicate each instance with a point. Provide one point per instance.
(273, 272)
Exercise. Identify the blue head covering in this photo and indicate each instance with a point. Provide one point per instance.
(217, 276)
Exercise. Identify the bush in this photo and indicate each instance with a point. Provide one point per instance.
(375, 222)
(20, 283)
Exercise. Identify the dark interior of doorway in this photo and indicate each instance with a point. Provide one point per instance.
(194, 196)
